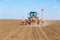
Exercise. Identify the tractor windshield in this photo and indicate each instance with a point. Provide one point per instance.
(32, 14)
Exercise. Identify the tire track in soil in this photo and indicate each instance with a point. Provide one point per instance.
(30, 36)
(30, 32)
(26, 36)
(20, 35)
(55, 29)
(43, 32)
(50, 33)
(56, 35)
(34, 33)
(6, 30)
(25, 33)
(12, 33)
(16, 35)
(40, 35)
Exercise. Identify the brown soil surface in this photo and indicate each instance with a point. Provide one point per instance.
(12, 30)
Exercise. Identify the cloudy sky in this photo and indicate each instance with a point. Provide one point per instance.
(18, 9)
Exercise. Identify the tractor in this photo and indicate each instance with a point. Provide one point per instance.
(32, 19)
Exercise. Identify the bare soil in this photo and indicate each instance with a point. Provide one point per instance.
(12, 30)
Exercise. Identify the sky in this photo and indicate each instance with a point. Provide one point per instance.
(19, 9)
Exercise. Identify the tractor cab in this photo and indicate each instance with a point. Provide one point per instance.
(32, 14)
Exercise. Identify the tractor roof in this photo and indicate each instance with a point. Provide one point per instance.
(33, 12)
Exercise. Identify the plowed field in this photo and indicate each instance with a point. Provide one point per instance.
(12, 30)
